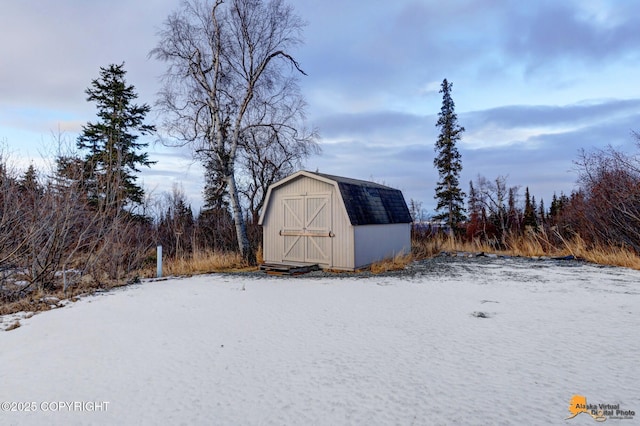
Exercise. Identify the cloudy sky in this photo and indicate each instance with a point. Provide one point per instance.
(533, 83)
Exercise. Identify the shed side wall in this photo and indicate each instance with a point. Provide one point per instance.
(377, 242)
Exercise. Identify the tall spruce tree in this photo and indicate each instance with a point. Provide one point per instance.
(448, 161)
(112, 143)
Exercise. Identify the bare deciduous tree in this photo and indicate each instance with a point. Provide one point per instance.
(610, 197)
(268, 155)
(230, 74)
(498, 200)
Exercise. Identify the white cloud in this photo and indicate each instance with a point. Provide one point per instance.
(433, 87)
(375, 69)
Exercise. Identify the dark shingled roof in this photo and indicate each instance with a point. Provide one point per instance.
(369, 203)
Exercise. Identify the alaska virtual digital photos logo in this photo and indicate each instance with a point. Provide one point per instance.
(599, 412)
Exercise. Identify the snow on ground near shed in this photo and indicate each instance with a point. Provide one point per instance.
(228, 350)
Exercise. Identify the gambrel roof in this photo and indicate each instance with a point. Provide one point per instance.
(369, 203)
(366, 203)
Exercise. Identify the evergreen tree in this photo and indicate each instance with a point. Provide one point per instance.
(30, 190)
(514, 221)
(558, 204)
(112, 143)
(29, 182)
(554, 210)
(448, 162)
(474, 227)
(176, 225)
(529, 219)
(215, 192)
(541, 215)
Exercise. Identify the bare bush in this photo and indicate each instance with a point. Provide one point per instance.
(607, 208)
(51, 236)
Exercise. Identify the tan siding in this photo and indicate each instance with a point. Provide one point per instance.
(341, 247)
(272, 243)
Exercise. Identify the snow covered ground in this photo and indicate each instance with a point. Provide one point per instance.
(461, 341)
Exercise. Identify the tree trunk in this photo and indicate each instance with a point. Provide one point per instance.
(450, 212)
(238, 219)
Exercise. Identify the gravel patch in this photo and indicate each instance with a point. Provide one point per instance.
(450, 265)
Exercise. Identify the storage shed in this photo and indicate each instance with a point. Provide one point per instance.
(333, 221)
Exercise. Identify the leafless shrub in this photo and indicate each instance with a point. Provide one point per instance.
(606, 210)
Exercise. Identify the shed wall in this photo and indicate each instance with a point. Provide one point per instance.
(377, 242)
(341, 244)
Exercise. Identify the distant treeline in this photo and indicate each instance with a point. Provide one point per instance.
(603, 211)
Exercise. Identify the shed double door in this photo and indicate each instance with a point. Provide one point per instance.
(307, 228)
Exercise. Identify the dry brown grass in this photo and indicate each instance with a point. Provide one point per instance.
(532, 244)
(13, 326)
(259, 255)
(203, 262)
(603, 255)
(39, 301)
(199, 263)
(425, 248)
(24, 305)
(397, 263)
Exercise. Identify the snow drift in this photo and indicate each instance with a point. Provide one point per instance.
(492, 341)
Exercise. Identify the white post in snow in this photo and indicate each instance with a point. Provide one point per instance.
(159, 262)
